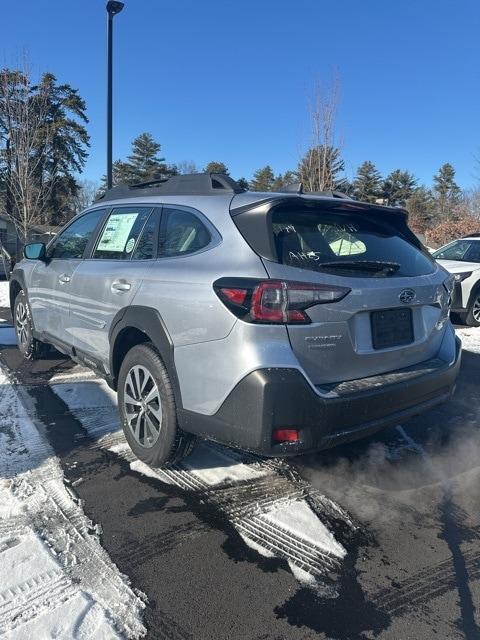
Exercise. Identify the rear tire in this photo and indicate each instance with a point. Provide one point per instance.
(29, 347)
(148, 411)
(472, 317)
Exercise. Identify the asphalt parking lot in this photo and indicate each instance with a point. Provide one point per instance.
(374, 539)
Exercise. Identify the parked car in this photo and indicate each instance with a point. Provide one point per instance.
(279, 323)
(462, 259)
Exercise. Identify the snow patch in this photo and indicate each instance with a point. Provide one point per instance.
(4, 293)
(56, 581)
(297, 516)
(470, 337)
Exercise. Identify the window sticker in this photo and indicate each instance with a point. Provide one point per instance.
(130, 245)
(115, 235)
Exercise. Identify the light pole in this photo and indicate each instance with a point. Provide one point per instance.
(113, 7)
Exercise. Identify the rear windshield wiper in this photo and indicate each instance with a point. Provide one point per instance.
(368, 266)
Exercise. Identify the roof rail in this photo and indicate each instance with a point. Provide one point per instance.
(297, 187)
(294, 187)
(193, 184)
(471, 235)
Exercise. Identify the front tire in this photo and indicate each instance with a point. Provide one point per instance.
(148, 411)
(29, 347)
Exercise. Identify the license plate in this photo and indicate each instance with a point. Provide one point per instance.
(391, 328)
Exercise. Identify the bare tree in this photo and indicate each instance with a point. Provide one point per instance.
(24, 124)
(87, 192)
(186, 166)
(320, 166)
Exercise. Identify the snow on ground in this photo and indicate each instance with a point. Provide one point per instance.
(56, 581)
(275, 514)
(470, 337)
(4, 295)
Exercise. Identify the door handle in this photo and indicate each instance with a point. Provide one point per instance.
(64, 279)
(121, 286)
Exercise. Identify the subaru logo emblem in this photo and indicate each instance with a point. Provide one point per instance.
(407, 295)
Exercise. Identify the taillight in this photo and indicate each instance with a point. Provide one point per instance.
(275, 301)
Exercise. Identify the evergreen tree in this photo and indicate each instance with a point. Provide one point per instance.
(283, 180)
(446, 191)
(243, 183)
(367, 184)
(45, 124)
(398, 186)
(216, 167)
(320, 169)
(421, 209)
(144, 164)
(263, 179)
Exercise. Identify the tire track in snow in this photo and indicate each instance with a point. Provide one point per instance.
(33, 597)
(57, 517)
(43, 526)
(425, 585)
(271, 507)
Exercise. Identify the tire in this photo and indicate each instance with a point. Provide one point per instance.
(150, 421)
(29, 347)
(472, 317)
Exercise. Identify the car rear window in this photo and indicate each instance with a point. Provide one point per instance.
(345, 244)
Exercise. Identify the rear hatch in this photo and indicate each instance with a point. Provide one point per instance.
(395, 312)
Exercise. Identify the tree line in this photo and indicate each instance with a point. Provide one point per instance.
(45, 147)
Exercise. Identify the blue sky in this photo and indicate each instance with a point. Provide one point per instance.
(231, 81)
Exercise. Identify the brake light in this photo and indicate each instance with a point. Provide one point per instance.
(275, 301)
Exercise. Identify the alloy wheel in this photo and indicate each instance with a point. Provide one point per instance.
(22, 324)
(476, 309)
(142, 406)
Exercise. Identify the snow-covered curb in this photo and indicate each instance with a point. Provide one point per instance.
(56, 581)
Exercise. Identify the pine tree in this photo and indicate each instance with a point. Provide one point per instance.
(45, 124)
(263, 179)
(243, 183)
(144, 164)
(421, 208)
(367, 184)
(446, 191)
(398, 186)
(283, 180)
(216, 167)
(320, 169)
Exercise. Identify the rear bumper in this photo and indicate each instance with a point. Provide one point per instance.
(282, 398)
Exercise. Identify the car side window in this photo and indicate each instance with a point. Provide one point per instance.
(455, 251)
(120, 233)
(182, 233)
(145, 249)
(473, 254)
(72, 242)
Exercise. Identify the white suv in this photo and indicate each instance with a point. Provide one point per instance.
(462, 259)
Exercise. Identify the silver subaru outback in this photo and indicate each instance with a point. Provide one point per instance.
(280, 323)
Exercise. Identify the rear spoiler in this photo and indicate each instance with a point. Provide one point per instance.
(254, 220)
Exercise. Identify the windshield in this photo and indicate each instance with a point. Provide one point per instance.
(461, 250)
(345, 244)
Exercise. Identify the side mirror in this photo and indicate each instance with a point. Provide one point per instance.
(35, 251)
